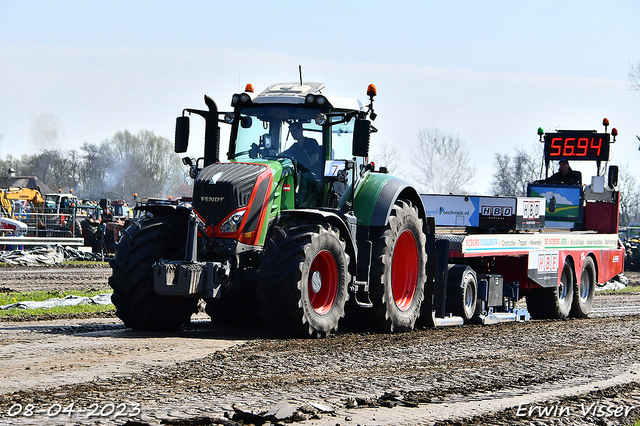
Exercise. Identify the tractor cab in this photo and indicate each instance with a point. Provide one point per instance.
(294, 129)
(570, 202)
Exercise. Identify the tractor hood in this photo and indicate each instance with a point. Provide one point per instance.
(236, 199)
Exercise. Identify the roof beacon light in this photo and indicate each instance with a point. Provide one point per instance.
(248, 88)
(372, 91)
(605, 123)
(614, 132)
(540, 133)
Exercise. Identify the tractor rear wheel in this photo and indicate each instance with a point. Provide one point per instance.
(398, 273)
(137, 304)
(553, 302)
(303, 280)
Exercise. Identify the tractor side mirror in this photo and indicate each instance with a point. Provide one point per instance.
(361, 133)
(613, 176)
(182, 134)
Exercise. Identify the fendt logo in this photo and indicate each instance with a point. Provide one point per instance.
(531, 210)
(212, 199)
(501, 211)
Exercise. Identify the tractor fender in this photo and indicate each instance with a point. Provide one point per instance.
(376, 196)
(333, 217)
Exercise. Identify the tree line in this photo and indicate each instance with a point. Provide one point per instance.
(116, 168)
(146, 164)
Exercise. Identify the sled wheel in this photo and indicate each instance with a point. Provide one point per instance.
(464, 297)
(553, 302)
(583, 294)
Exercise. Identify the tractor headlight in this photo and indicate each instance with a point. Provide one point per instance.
(310, 98)
(228, 117)
(233, 222)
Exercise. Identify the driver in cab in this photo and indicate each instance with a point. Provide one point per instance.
(565, 175)
(305, 150)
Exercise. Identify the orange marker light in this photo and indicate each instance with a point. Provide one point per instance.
(248, 88)
(614, 132)
(371, 90)
(605, 122)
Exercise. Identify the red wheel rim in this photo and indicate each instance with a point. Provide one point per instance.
(323, 282)
(404, 270)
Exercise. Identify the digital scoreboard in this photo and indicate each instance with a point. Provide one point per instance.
(576, 145)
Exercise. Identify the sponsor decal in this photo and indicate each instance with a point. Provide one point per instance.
(547, 262)
(286, 187)
(497, 211)
(531, 210)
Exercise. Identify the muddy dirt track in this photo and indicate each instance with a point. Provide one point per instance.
(94, 371)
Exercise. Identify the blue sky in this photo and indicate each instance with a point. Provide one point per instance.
(491, 72)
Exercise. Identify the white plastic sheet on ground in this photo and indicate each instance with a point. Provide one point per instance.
(618, 282)
(46, 255)
(100, 299)
(49, 255)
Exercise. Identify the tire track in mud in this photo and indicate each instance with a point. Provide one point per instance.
(461, 375)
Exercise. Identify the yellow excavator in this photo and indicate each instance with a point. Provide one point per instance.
(6, 209)
(32, 196)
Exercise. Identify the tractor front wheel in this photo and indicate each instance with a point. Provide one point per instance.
(303, 280)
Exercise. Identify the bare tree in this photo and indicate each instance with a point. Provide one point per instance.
(144, 163)
(634, 76)
(387, 157)
(443, 162)
(513, 174)
(629, 196)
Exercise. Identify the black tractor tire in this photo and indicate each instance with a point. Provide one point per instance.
(304, 280)
(462, 300)
(398, 273)
(584, 293)
(553, 302)
(136, 302)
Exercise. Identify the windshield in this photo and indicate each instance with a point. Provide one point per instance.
(280, 131)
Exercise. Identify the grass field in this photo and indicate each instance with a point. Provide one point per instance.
(11, 297)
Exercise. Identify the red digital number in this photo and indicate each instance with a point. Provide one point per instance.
(556, 148)
(568, 148)
(583, 144)
(596, 146)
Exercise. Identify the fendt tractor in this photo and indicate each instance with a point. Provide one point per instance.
(291, 228)
(299, 231)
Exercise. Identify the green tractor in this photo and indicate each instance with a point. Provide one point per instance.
(296, 230)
